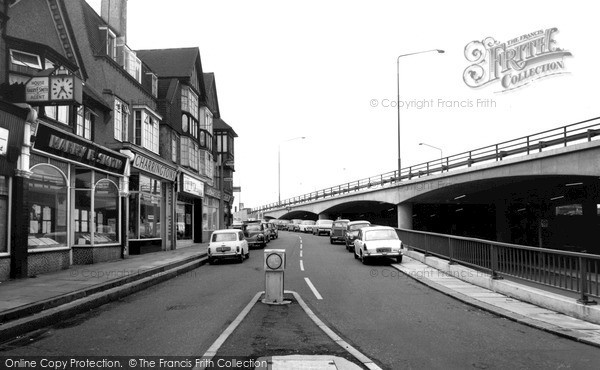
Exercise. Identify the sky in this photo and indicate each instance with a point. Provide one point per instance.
(326, 71)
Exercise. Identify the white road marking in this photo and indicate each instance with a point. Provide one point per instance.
(300, 254)
(312, 287)
(336, 338)
(301, 266)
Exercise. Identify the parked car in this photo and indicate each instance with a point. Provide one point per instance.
(352, 232)
(306, 226)
(268, 233)
(322, 227)
(273, 232)
(282, 224)
(292, 226)
(255, 234)
(228, 244)
(338, 231)
(374, 242)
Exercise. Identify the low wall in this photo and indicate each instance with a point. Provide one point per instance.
(555, 302)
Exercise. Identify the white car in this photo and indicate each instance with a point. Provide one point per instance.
(228, 244)
(374, 242)
(306, 226)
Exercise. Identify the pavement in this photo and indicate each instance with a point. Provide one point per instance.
(32, 303)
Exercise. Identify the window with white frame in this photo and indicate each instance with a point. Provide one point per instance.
(206, 120)
(189, 101)
(58, 113)
(146, 130)
(121, 120)
(210, 166)
(83, 125)
(174, 146)
(111, 42)
(185, 154)
(25, 59)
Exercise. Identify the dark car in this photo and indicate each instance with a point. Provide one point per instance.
(255, 234)
(338, 231)
(352, 232)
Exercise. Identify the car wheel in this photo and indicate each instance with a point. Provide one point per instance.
(399, 259)
(248, 255)
(241, 258)
(363, 259)
(211, 261)
(355, 256)
(330, 240)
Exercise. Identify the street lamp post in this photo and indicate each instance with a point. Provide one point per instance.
(435, 147)
(398, 98)
(279, 165)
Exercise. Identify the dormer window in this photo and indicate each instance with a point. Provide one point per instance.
(24, 59)
(111, 42)
(154, 84)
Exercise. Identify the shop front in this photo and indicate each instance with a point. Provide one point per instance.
(12, 123)
(151, 225)
(73, 201)
(210, 214)
(189, 210)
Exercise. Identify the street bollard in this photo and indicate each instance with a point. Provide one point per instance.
(274, 264)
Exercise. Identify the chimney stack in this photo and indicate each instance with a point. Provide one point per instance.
(114, 12)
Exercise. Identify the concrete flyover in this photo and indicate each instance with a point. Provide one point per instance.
(533, 183)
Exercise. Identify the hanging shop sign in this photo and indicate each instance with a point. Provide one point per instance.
(69, 146)
(154, 167)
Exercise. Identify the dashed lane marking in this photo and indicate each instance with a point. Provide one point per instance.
(301, 266)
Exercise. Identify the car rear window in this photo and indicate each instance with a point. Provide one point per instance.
(358, 226)
(224, 237)
(253, 228)
(381, 235)
(339, 224)
(324, 222)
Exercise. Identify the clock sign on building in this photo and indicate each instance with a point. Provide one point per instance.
(61, 89)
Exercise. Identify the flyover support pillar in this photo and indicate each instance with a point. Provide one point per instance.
(405, 216)
(323, 216)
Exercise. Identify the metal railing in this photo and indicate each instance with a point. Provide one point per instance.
(570, 271)
(551, 139)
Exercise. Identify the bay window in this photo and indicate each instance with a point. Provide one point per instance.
(121, 120)
(146, 129)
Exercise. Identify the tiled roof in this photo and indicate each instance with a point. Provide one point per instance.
(212, 99)
(179, 62)
(219, 124)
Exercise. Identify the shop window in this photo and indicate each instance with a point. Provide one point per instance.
(184, 220)
(3, 214)
(144, 208)
(569, 210)
(47, 206)
(106, 211)
(82, 217)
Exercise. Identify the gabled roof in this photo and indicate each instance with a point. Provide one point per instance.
(178, 62)
(212, 99)
(219, 124)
